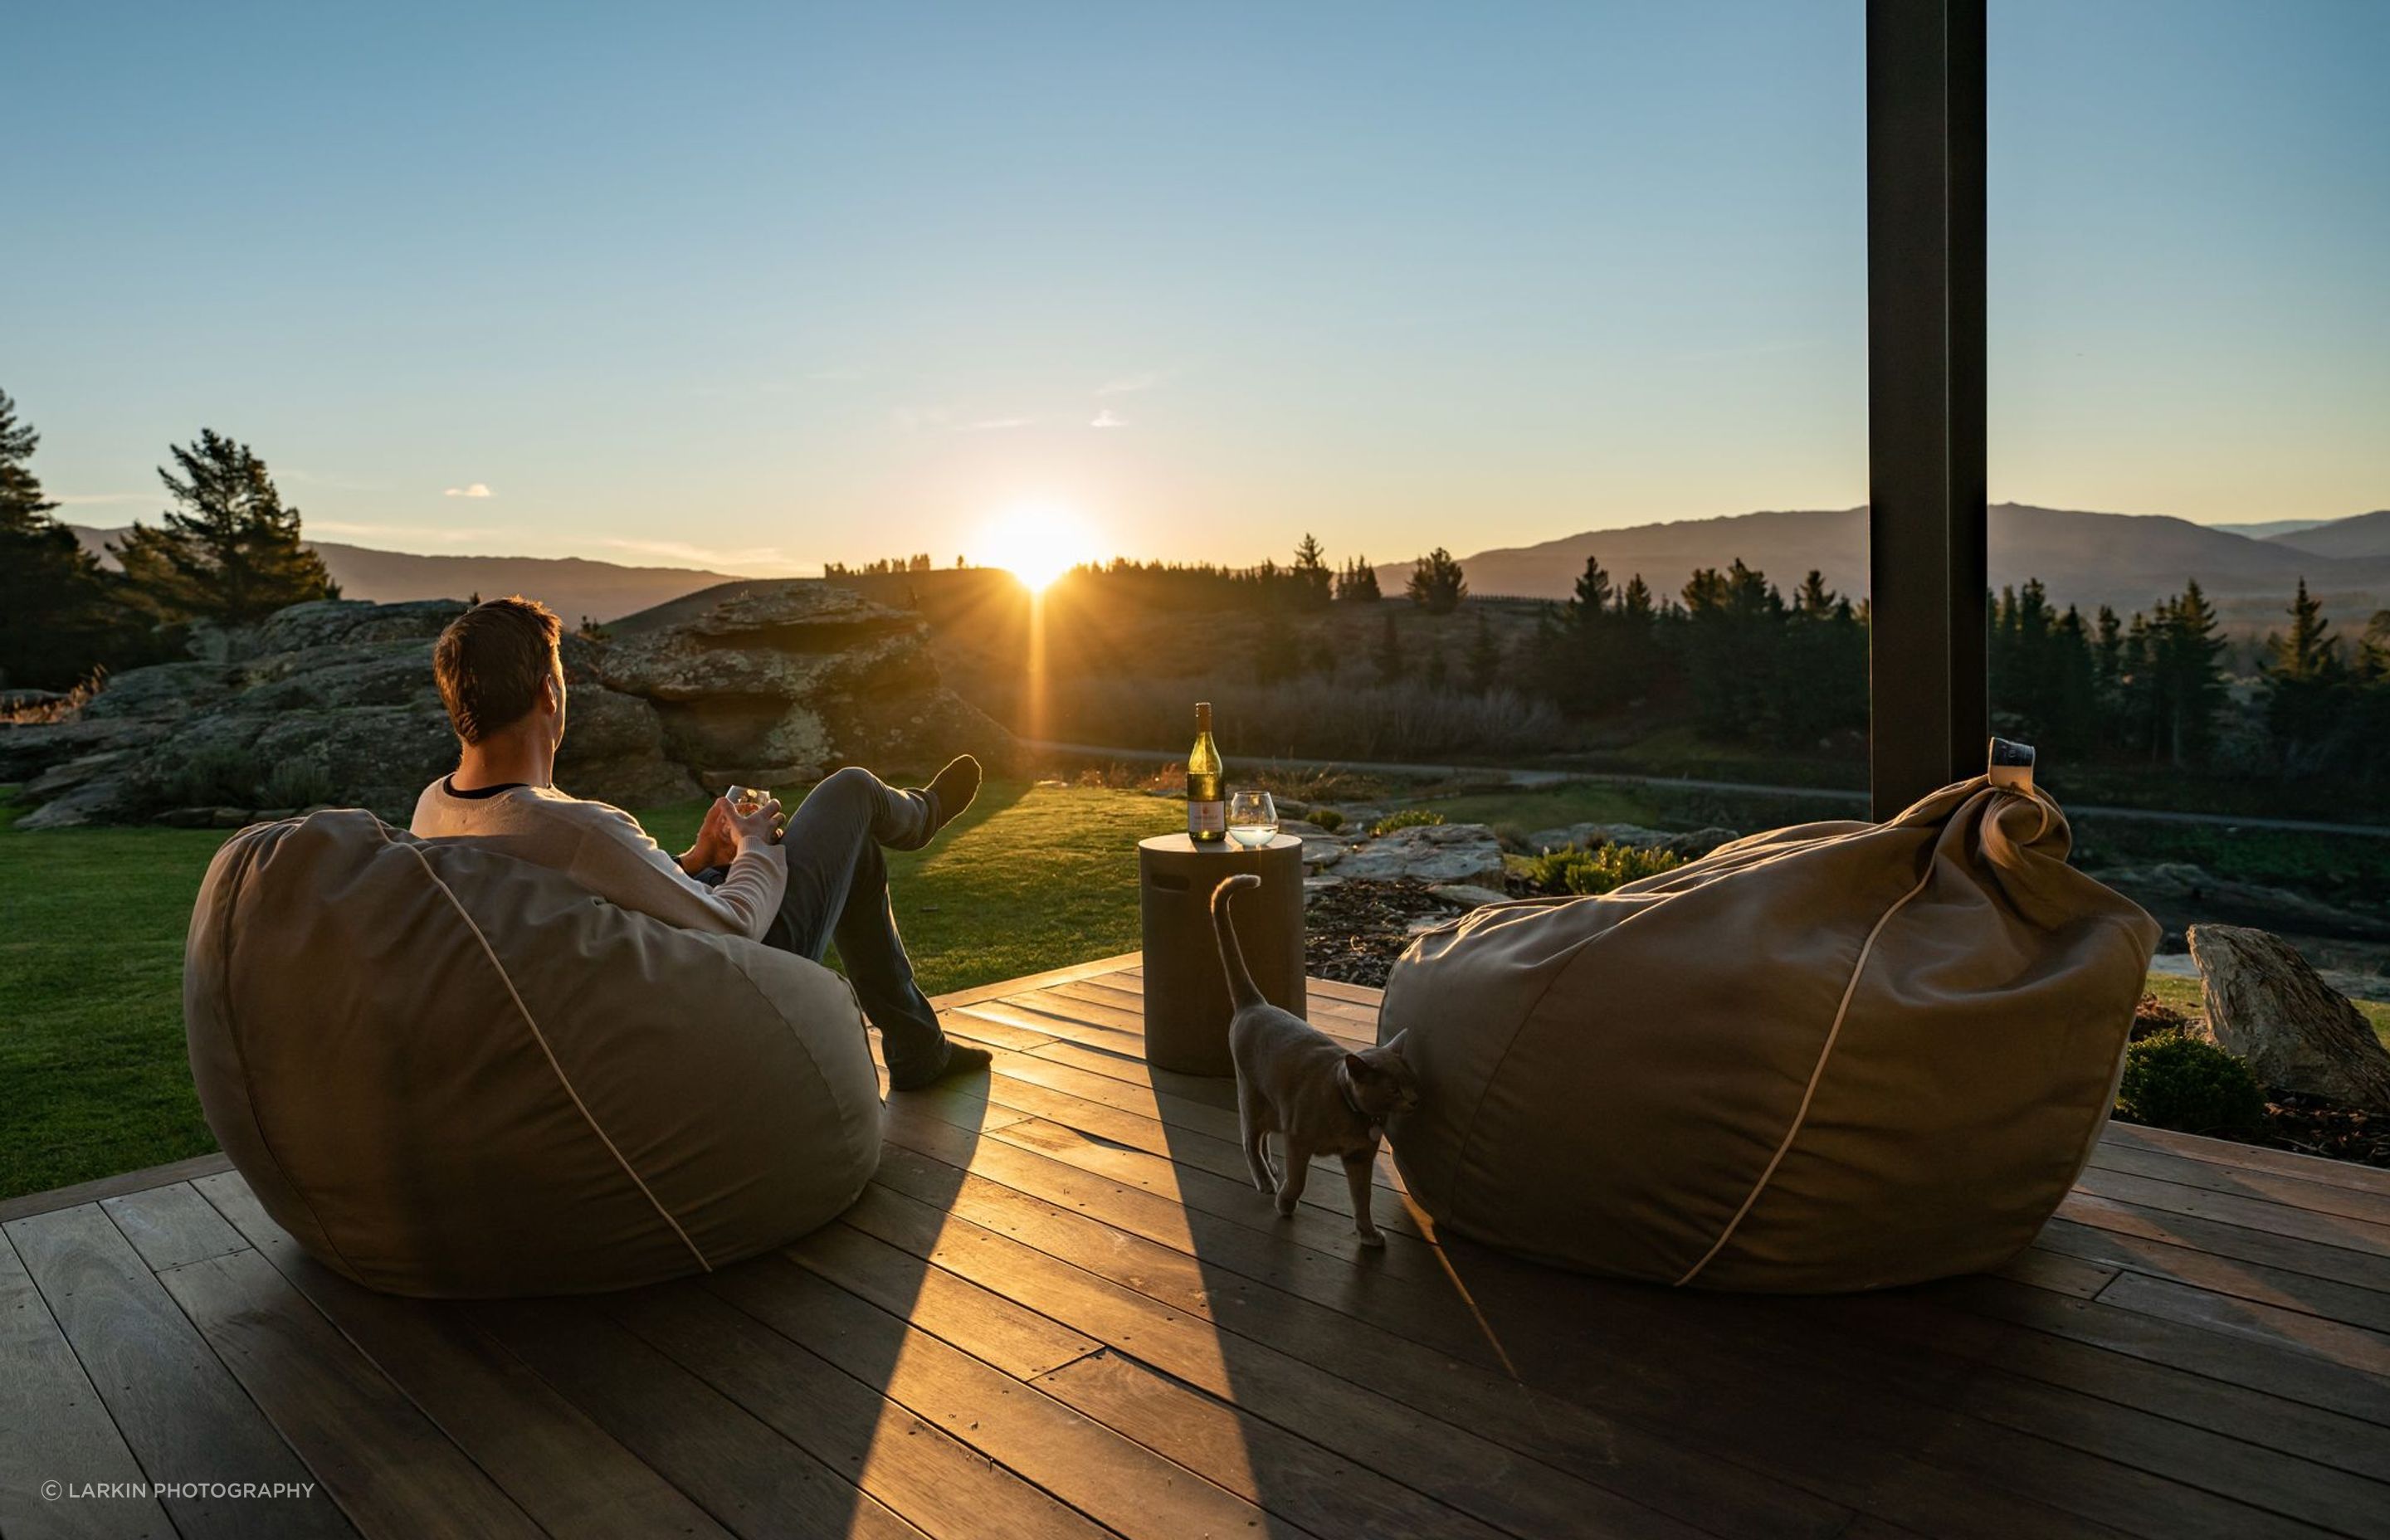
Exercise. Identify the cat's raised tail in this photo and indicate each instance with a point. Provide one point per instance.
(1232, 957)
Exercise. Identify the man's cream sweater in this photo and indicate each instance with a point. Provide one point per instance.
(604, 850)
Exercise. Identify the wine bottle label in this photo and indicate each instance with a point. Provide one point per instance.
(1207, 817)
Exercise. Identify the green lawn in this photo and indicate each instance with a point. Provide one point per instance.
(92, 920)
(91, 953)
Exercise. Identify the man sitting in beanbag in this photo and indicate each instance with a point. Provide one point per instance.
(503, 682)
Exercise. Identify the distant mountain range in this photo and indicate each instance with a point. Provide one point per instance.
(569, 585)
(2129, 561)
(2126, 561)
(2365, 536)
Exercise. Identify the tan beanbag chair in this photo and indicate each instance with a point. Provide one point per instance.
(1839, 1056)
(449, 1072)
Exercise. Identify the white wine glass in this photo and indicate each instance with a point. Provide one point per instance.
(1253, 819)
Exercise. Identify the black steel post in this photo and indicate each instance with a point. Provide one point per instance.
(1929, 699)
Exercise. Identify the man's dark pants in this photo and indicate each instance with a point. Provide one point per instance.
(838, 892)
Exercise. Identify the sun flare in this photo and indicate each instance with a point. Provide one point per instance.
(1037, 543)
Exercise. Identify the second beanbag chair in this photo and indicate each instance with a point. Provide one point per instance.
(1836, 1056)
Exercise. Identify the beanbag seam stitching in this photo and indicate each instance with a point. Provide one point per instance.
(1801, 1113)
(541, 1038)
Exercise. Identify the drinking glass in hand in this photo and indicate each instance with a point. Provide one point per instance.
(747, 799)
(1253, 819)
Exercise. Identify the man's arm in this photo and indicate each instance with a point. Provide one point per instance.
(619, 863)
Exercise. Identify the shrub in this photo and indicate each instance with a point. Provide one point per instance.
(1408, 817)
(1327, 818)
(2189, 1084)
(1573, 870)
(298, 783)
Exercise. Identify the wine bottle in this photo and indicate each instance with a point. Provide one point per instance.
(1207, 807)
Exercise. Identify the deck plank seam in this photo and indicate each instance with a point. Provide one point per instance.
(887, 1402)
(1680, 1439)
(399, 1385)
(924, 1417)
(2093, 1453)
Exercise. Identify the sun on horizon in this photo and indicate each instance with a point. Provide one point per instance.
(1038, 542)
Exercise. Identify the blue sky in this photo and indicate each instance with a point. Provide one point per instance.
(761, 286)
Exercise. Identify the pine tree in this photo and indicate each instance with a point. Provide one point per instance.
(1437, 584)
(2108, 655)
(1436, 673)
(1594, 595)
(1590, 679)
(2177, 683)
(2305, 682)
(1821, 686)
(1734, 629)
(55, 622)
(1314, 584)
(228, 550)
(1389, 656)
(1484, 657)
(1358, 582)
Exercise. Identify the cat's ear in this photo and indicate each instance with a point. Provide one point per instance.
(1357, 1066)
(1395, 1045)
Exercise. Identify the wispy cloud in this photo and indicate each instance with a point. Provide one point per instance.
(99, 499)
(1129, 385)
(992, 423)
(477, 489)
(1109, 419)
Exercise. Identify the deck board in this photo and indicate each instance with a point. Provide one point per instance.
(1061, 1309)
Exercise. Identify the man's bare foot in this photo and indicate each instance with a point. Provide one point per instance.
(962, 1059)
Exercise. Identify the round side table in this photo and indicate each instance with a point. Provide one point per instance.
(1187, 1007)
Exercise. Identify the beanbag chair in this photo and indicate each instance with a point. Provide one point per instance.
(1835, 1057)
(451, 1074)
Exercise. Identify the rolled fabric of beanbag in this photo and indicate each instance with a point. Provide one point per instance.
(1840, 1055)
(449, 1072)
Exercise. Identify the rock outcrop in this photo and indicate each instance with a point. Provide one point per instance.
(1433, 854)
(773, 683)
(2267, 1007)
(779, 682)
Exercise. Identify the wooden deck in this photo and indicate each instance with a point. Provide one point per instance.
(1061, 1310)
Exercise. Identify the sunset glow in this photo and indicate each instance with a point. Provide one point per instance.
(1037, 543)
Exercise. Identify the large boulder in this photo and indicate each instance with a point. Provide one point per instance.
(782, 680)
(2268, 1007)
(774, 683)
(1428, 853)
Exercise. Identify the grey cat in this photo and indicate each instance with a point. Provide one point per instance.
(1295, 1081)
